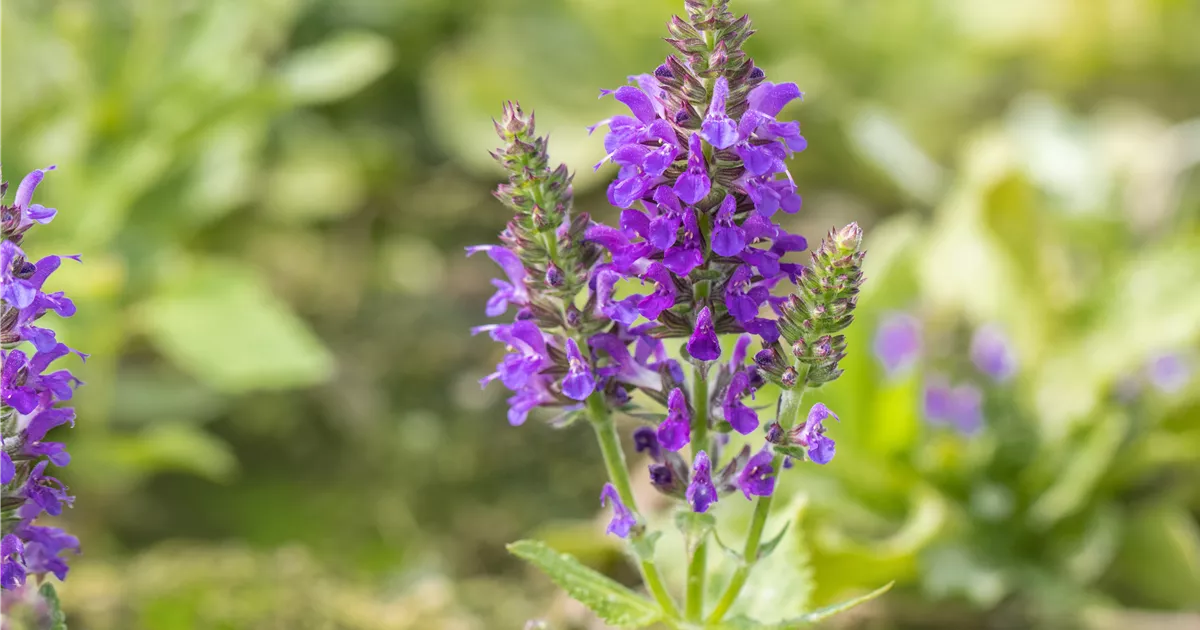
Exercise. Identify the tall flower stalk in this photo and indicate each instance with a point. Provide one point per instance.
(30, 405)
(701, 180)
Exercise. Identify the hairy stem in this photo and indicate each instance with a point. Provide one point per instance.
(614, 461)
(789, 408)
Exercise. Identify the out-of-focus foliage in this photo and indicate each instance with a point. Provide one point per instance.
(271, 197)
(1081, 493)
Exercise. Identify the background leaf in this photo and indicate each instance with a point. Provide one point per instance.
(217, 321)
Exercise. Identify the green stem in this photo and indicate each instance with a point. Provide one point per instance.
(789, 408)
(698, 564)
(614, 461)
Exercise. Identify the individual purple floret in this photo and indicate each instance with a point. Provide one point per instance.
(740, 416)
(675, 431)
(29, 398)
(992, 353)
(579, 381)
(812, 435)
(898, 342)
(757, 479)
(623, 520)
(701, 492)
(703, 343)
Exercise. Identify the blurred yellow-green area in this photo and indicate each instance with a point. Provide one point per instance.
(282, 426)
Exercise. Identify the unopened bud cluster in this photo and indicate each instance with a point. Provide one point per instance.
(814, 317)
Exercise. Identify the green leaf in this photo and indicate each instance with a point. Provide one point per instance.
(643, 546)
(337, 67)
(175, 446)
(1159, 560)
(616, 605)
(766, 548)
(58, 619)
(822, 614)
(741, 622)
(218, 322)
(781, 583)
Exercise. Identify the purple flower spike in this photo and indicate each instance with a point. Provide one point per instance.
(579, 382)
(701, 492)
(693, 185)
(622, 520)
(703, 343)
(898, 342)
(742, 418)
(812, 436)
(992, 353)
(758, 477)
(718, 129)
(675, 431)
(32, 396)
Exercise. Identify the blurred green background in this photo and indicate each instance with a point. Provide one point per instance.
(282, 427)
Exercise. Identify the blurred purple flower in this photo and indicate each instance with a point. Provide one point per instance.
(1171, 372)
(960, 407)
(898, 342)
(992, 353)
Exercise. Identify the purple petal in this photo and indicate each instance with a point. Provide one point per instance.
(700, 492)
(7, 471)
(579, 383)
(623, 521)
(28, 185)
(674, 432)
(728, 241)
(637, 101)
(770, 98)
(757, 478)
(703, 343)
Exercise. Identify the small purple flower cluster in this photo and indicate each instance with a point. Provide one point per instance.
(28, 408)
(701, 176)
(898, 346)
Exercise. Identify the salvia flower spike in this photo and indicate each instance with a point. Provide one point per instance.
(30, 407)
(701, 182)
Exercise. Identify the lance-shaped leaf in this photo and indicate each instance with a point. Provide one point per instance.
(616, 605)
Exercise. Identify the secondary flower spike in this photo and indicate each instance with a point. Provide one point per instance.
(31, 396)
